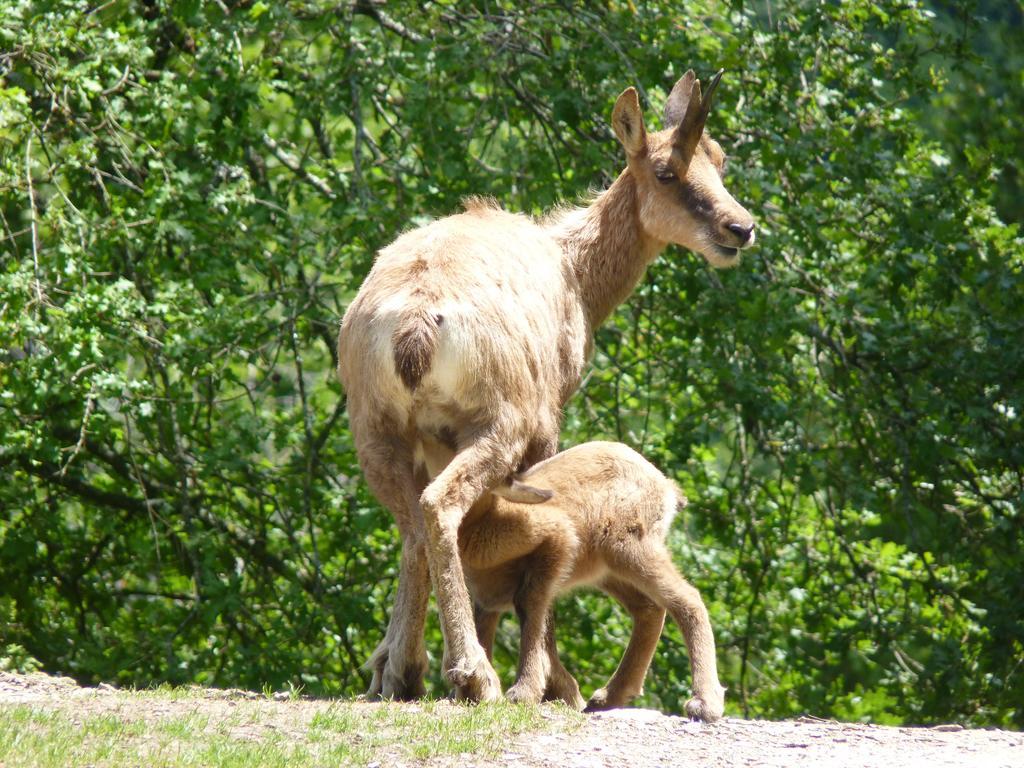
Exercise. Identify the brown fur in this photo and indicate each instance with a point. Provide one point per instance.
(519, 302)
(606, 527)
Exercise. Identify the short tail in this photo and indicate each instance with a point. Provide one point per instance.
(681, 501)
(414, 342)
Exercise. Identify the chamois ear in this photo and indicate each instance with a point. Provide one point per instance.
(628, 123)
(675, 106)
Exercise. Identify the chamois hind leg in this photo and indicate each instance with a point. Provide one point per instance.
(399, 662)
(486, 458)
(648, 620)
(561, 685)
(650, 568)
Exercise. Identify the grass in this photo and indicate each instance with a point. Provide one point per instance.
(436, 729)
(175, 728)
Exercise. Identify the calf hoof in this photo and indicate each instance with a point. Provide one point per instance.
(476, 683)
(602, 699)
(704, 709)
(524, 694)
(599, 701)
(566, 690)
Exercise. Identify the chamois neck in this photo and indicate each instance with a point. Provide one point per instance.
(606, 247)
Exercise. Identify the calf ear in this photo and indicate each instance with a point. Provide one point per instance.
(522, 493)
(628, 123)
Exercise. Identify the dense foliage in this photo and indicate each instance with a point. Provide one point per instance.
(191, 192)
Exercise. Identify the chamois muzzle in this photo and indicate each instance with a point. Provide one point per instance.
(744, 232)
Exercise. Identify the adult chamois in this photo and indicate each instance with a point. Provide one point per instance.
(605, 527)
(474, 330)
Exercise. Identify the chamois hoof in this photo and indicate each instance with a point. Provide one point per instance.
(376, 664)
(404, 686)
(388, 683)
(478, 684)
(699, 709)
(375, 689)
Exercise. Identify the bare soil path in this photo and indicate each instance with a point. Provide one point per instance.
(636, 738)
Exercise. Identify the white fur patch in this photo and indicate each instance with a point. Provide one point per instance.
(381, 357)
(456, 358)
(670, 504)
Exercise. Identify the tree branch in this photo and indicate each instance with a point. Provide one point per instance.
(295, 167)
(368, 8)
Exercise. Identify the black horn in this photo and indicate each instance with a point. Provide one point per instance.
(711, 89)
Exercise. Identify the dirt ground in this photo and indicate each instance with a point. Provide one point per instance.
(637, 738)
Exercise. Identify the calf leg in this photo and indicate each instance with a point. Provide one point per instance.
(486, 628)
(650, 569)
(542, 574)
(538, 545)
(648, 620)
(561, 685)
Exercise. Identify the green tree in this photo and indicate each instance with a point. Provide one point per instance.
(190, 193)
(974, 110)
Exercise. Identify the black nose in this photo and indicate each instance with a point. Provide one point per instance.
(741, 231)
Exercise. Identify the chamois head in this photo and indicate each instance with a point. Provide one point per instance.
(678, 174)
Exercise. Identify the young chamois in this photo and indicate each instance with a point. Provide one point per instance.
(473, 331)
(605, 527)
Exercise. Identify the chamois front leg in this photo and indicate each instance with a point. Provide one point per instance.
(648, 621)
(487, 458)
